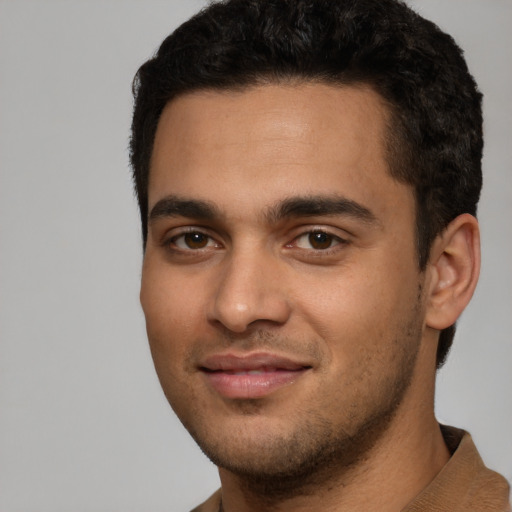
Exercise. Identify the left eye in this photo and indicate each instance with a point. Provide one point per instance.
(193, 240)
(318, 240)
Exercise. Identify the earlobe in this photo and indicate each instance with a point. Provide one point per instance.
(454, 267)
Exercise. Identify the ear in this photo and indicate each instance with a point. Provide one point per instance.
(453, 267)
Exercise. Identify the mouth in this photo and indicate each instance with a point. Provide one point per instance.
(250, 376)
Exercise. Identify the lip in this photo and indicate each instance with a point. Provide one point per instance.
(249, 376)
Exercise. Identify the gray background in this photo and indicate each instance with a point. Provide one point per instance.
(84, 425)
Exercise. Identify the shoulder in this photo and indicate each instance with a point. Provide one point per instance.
(465, 483)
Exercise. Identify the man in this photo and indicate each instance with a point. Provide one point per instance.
(308, 174)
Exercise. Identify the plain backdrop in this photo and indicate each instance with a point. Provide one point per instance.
(84, 425)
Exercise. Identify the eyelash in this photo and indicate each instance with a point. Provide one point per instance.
(170, 242)
(334, 242)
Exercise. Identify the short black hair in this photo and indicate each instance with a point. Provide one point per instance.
(434, 138)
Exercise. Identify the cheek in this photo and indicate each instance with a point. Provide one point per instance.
(360, 310)
(344, 298)
(171, 310)
(172, 325)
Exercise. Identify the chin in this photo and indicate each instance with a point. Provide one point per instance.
(266, 452)
(283, 466)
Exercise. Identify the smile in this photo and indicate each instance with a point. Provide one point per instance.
(250, 377)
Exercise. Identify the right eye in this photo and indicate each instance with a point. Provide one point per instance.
(193, 240)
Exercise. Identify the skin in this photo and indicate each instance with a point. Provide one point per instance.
(338, 292)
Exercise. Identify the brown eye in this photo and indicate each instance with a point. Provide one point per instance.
(195, 240)
(320, 240)
(317, 240)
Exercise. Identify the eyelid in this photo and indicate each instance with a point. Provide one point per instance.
(337, 233)
(335, 239)
(169, 238)
(175, 233)
(319, 254)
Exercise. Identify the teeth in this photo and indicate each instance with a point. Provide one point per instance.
(258, 371)
(261, 371)
(249, 372)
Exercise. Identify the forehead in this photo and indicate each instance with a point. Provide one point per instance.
(273, 140)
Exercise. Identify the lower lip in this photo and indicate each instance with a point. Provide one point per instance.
(251, 385)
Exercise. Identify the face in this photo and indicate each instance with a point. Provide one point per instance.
(280, 281)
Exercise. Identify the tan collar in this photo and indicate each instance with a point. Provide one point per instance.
(464, 484)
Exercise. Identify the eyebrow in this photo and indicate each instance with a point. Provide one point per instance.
(312, 206)
(174, 206)
(292, 207)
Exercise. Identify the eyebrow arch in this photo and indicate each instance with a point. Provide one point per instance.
(311, 206)
(175, 206)
(293, 207)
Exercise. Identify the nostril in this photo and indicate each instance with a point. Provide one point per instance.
(246, 296)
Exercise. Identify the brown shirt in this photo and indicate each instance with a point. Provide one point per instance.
(463, 485)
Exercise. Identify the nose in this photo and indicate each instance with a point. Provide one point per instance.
(250, 291)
